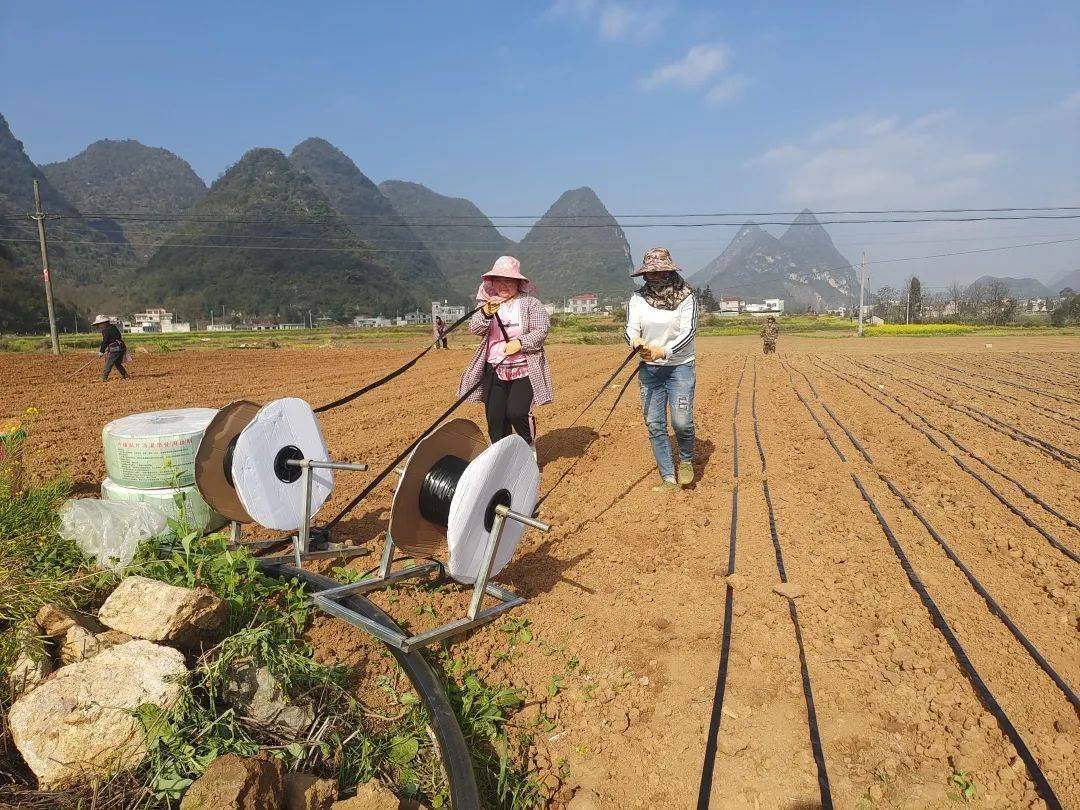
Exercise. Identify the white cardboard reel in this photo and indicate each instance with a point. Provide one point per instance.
(504, 473)
(269, 489)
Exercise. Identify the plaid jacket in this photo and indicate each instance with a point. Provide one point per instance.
(532, 339)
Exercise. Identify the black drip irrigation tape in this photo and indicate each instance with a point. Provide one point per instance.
(709, 765)
(995, 608)
(981, 689)
(1039, 391)
(984, 419)
(814, 416)
(396, 372)
(804, 670)
(1050, 538)
(987, 698)
(453, 750)
(1050, 413)
(971, 409)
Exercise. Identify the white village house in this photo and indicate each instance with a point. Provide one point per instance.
(583, 304)
(448, 313)
(157, 319)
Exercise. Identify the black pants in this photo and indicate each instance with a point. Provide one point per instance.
(114, 360)
(508, 405)
(442, 342)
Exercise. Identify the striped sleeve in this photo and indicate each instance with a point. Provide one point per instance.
(688, 316)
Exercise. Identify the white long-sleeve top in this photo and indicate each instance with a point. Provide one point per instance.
(671, 329)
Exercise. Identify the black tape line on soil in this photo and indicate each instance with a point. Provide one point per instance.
(981, 689)
(1059, 455)
(1050, 538)
(715, 716)
(1040, 392)
(814, 416)
(1050, 413)
(705, 785)
(995, 608)
(804, 671)
(453, 750)
(396, 372)
(938, 619)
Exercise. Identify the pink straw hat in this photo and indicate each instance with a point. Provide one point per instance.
(504, 267)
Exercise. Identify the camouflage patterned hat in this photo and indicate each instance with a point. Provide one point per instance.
(657, 260)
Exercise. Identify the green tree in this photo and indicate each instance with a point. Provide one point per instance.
(1067, 312)
(914, 298)
(707, 300)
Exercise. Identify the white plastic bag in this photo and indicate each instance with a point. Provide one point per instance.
(110, 531)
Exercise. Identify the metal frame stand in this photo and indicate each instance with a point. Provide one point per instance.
(303, 545)
(476, 615)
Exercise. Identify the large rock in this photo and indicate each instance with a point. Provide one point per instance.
(80, 724)
(372, 795)
(303, 791)
(256, 693)
(80, 643)
(232, 782)
(146, 608)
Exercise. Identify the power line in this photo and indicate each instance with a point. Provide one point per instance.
(575, 226)
(689, 215)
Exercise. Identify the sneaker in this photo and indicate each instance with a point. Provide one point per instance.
(667, 485)
(686, 473)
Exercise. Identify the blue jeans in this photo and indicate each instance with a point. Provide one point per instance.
(662, 386)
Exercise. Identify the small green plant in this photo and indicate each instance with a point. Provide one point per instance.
(518, 630)
(554, 686)
(965, 784)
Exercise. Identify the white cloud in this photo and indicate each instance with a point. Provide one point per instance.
(873, 160)
(778, 156)
(700, 64)
(615, 20)
(728, 90)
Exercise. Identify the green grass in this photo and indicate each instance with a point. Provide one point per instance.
(579, 329)
(268, 620)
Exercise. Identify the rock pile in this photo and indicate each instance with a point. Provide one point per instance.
(79, 722)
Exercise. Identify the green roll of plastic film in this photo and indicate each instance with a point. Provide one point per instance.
(154, 450)
(196, 511)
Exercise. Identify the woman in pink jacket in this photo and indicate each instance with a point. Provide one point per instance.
(510, 360)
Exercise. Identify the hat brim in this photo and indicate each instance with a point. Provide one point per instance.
(673, 268)
(410, 530)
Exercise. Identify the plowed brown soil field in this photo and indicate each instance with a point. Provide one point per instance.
(628, 594)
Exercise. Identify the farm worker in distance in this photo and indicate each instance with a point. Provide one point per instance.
(510, 359)
(769, 333)
(112, 347)
(440, 333)
(661, 323)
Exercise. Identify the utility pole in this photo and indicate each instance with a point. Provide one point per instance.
(39, 217)
(907, 316)
(862, 283)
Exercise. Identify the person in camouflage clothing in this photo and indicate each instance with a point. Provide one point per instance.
(769, 333)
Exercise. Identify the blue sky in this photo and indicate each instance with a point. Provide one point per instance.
(660, 107)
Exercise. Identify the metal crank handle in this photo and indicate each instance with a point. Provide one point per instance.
(506, 512)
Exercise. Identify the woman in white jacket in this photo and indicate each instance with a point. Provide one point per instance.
(661, 323)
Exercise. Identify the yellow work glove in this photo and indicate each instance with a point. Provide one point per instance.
(512, 347)
(637, 343)
(491, 306)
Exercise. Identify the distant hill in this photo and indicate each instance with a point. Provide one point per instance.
(81, 271)
(1018, 287)
(282, 215)
(565, 261)
(372, 217)
(462, 253)
(131, 178)
(803, 267)
(1070, 280)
